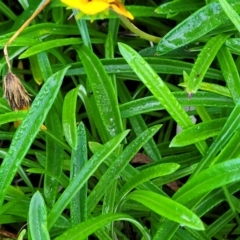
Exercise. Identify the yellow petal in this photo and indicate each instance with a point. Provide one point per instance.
(74, 3)
(89, 8)
(120, 9)
(95, 7)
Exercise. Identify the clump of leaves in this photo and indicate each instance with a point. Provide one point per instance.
(111, 91)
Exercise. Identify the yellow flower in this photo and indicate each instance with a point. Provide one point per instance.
(92, 7)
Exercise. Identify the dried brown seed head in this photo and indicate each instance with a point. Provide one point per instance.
(15, 93)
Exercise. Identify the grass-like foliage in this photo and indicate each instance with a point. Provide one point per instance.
(134, 126)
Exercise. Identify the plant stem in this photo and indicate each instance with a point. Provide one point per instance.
(139, 32)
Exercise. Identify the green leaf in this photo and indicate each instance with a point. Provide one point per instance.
(146, 175)
(233, 45)
(54, 156)
(61, 179)
(82, 177)
(167, 208)
(83, 230)
(128, 171)
(232, 15)
(179, 6)
(215, 176)
(78, 205)
(231, 150)
(118, 165)
(69, 117)
(230, 72)
(28, 130)
(12, 116)
(158, 88)
(160, 65)
(21, 234)
(203, 62)
(41, 47)
(195, 26)
(198, 132)
(38, 218)
(7, 11)
(151, 104)
(103, 93)
(211, 87)
(138, 124)
(230, 127)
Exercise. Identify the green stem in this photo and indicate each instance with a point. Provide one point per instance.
(231, 204)
(139, 32)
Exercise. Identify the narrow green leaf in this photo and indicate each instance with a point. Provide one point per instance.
(179, 6)
(83, 230)
(69, 117)
(128, 172)
(198, 132)
(54, 156)
(167, 208)
(160, 65)
(12, 116)
(230, 127)
(19, 42)
(232, 15)
(38, 218)
(231, 150)
(203, 62)
(155, 84)
(82, 177)
(158, 88)
(118, 165)
(195, 26)
(230, 72)
(62, 179)
(211, 87)
(7, 11)
(41, 47)
(21, 234)
(78, 205)
(83, 29)
(215, 176)
(138, 124)
(36, 70)
(146, 175)
(103, 93)
(28, 130)
(151, 104)
(233, 44)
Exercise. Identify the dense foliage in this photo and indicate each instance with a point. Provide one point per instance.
(109, 148)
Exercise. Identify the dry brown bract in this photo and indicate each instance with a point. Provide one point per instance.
(15, 93)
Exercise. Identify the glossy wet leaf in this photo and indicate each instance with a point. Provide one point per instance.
(230, 72)
(78, 205)
(146, 175)
(103, 94)
(83, 230)
(81, 178)
(38, 218)
(198, 132)
(168, 208)
(232, 15)
(203, 62)
(28, 129)
(195, 26)
(69, 117)
(179, 6)
(118, 165)
(230, 127)
(157, 87)
(215, 176)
